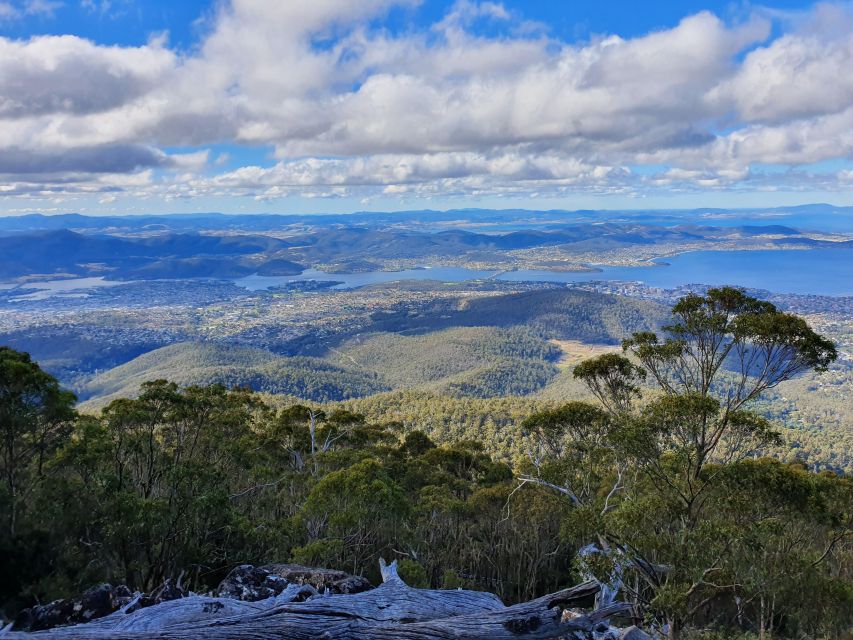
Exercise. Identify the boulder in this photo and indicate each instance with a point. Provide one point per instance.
(45, 616)
(96, 602)
(249, 583)
(635, 633)
(330, 580)
(99, 601)
(169, 591)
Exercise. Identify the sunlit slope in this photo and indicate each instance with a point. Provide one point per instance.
(415, 360)
(194, 363)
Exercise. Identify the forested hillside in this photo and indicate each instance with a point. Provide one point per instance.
(459, 346)
(570, 314)
(495, 423)
(412, 360)
(480, 362)
(660, 497)
(205, 364)
(451, 382)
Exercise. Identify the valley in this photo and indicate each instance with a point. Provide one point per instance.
(463, 350)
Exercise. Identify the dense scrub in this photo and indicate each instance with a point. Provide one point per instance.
(226, 480)
(201, 479)
(665, 501)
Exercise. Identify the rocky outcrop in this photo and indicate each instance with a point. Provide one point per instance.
(250, 583)
(94, 603)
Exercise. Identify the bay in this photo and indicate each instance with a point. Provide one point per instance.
(826, 272)
(810, 271)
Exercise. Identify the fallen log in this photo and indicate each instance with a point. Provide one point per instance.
(392, 610)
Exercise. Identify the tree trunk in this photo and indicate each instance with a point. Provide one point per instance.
(392, 611)
(673, 629)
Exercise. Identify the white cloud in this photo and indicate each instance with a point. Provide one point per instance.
(67, 76)
(42, 7)
(799, 75)
(415, 169)
(611, 94)
(351, 108)
(15, 10)
(8, 11)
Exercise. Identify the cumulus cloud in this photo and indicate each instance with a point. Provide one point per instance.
(610, 96)
(799, 75)
(349, 107)
(447, 172)
(66, 75)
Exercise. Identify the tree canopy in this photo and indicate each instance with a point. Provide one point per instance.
(656, 486)
(654, 479)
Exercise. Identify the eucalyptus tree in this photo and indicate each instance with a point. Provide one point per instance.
(722, 352)
(35, 416)
(351, 516)
(158, 473)
(646, 463)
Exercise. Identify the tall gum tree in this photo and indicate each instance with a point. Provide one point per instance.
(720, 353)
(35, 413)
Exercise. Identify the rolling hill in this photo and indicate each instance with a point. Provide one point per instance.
(169, 255)
(483, 347)
(416, 360)
(473, 361)
(200, 364)
(562, 314)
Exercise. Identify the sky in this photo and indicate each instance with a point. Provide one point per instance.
(307, 106)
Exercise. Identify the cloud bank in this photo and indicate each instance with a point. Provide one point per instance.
(350, 108)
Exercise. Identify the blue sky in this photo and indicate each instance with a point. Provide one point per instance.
(131, 22)
(131, 106)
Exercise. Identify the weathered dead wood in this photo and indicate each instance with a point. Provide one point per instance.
(392, 610)
(194, 610)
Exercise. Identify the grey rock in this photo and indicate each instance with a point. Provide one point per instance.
(45, 616)
(249, 583)
(96, 602)
(324, 580)
(635, 633)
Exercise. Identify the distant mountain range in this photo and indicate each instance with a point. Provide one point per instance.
(168, 255)
(798, 216)
(224, 253)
